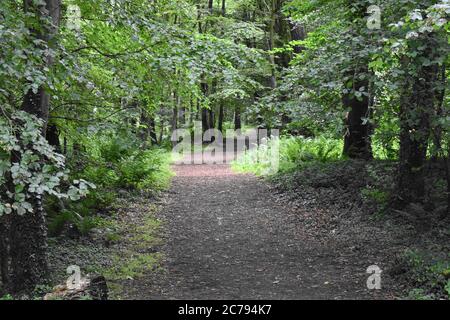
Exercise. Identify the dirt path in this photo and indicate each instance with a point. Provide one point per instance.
(228, 238)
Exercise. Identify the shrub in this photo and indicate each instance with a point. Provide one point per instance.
(429, 272)
(145, 170)
(294, 152)
(111, 163)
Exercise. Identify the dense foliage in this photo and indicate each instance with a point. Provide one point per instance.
(98, 86)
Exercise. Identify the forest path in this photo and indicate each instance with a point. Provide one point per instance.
(227, 238)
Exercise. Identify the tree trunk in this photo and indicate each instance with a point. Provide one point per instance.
(271, 44)
(52, 136)
(221, 117)
(237, 119)
(357, 143)
(210, 6)
(161, 131)
(357, 139)
(417, 107)
(205, 122)
(211, 119)
(297, 33)
(205, 113)
(152, 130)
(37, 104)
(224, 10)
(28, 250)
(447, 174)
(4, 251)
(174, 122)
(65, 146)
(437, 130)
(28, 233)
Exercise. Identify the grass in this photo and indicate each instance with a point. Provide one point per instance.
(132, 259)
(147, 234)
(6, 297)
(132, 266)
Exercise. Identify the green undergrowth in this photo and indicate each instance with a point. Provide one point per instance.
(114, 163)
(294, 153)
(136, 252)
(429, 272)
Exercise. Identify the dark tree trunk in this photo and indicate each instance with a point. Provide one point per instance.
(52, 135)
(437, 130)
(297, 33)
(205, 122)
(174, 122)
(152, 130)
(211, 111)
(37, 104)
(210, 6)
(237, 119)
(4, 251)
(357, 139)
(28, 250)
(65, 146)
(211, 119)
(357, 143)
(447, 174)
(417, 107)
(224, 9)
(281, 27)
(205, 112)
(182, 115)
(271, 44)
(28, 234)
(221, 117)
(161, 131)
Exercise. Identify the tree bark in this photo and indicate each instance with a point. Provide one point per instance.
(237, 118)
(271, 44)
(357, 139)
(28, 250)
(4, 251)
(152, 130)
(417, 107)
(52, 136)
(210, 6)
(205, 123)
(205, 112)
(28, 233)
(357, 144)
(174, 122)
(224, 9)
(297, 33)
(211, 119)
(221, 117)
(161, 131)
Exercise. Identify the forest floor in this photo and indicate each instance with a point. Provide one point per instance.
(305, 234)
(227, 236)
